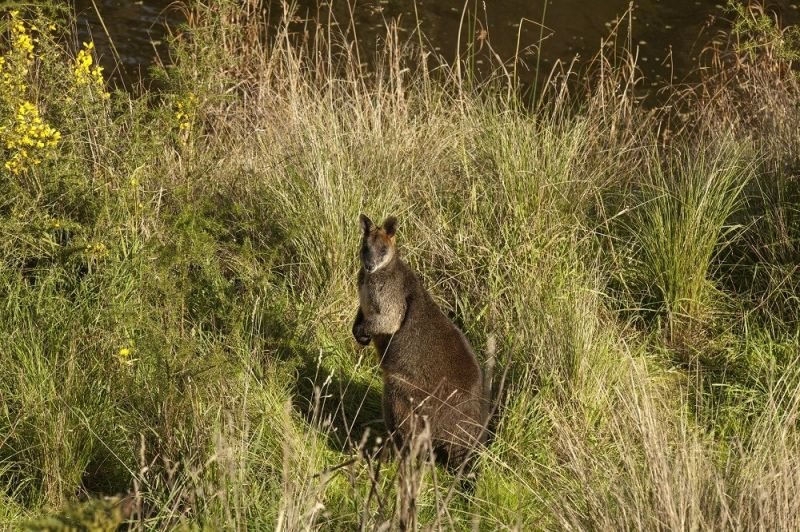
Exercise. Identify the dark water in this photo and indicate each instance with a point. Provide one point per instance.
(136, 27)
(669, 34)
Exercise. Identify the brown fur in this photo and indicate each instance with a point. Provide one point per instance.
(430, 374)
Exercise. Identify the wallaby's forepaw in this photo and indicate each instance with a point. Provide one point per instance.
(363, 340)
(361, 337)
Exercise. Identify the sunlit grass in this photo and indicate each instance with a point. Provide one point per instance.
(177, 287)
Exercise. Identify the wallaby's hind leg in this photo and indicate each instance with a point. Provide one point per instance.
(390, 421)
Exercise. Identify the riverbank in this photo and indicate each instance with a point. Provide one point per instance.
(178, 284)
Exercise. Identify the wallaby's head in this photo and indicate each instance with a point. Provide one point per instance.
(377, 244)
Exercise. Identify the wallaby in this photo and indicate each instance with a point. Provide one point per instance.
(431, 377)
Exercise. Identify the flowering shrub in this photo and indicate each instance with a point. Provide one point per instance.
(16, 63)
(185, 111)
(25, 138)
(87, 74)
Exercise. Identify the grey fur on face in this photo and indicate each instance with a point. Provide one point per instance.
(377, 243)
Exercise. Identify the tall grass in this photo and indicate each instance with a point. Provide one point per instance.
(680, 223)
(178, 284)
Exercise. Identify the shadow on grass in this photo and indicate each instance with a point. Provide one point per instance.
(347, 411)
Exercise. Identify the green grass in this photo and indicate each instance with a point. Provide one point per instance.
(175, 304)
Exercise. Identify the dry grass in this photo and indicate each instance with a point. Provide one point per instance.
(648, 384)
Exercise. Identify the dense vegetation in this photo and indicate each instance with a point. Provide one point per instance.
(177, 276)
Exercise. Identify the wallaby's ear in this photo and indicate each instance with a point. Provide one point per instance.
(366, 223)
(390, 226)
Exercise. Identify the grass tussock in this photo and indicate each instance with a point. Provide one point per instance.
(177, 284)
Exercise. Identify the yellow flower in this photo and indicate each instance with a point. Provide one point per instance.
(96, 251)
(15, 64)
(88, 74)
(185, 111)
(20, 39)
(124, 356)
(27, 138)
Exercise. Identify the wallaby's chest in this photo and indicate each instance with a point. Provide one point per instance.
(374, 293)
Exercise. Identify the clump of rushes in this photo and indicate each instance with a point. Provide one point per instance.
(679, 227)
(25, 138)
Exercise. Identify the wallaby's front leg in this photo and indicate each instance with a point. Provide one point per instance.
(358, 329)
